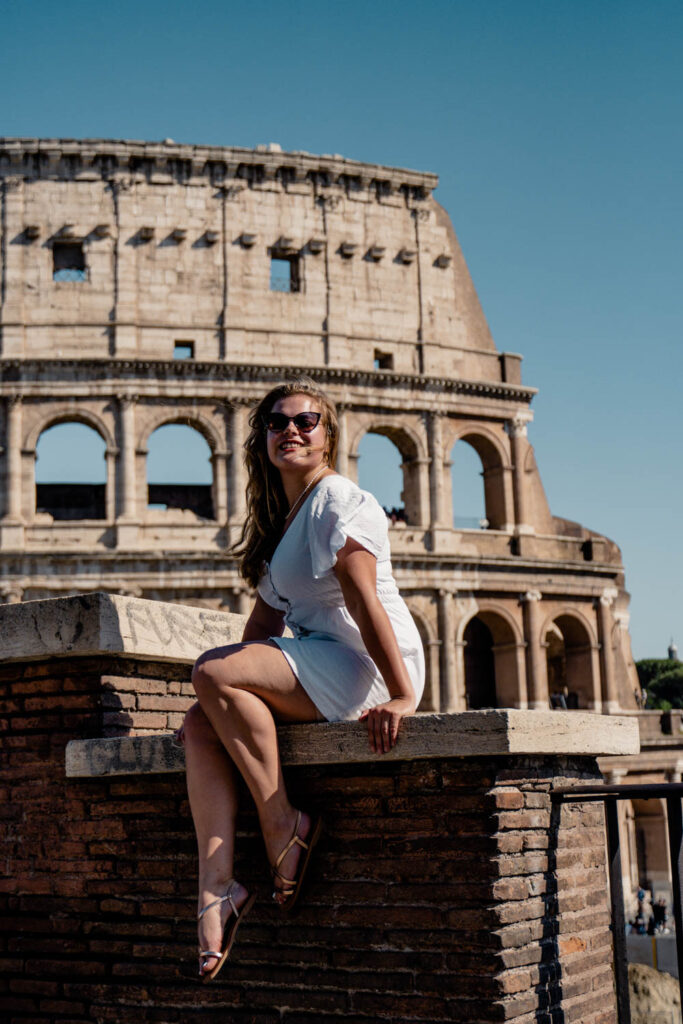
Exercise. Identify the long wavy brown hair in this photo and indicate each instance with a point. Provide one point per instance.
(267, 504)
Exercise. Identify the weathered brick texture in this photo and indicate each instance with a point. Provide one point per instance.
(444, 890)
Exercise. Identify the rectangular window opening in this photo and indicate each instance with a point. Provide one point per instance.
(183, 350)
(68, 262)
(383, 360)
(284, 274)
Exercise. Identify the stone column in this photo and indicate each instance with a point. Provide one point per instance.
(237, 472)
(13, 259)
(220, 485)
(449, 682)
(536, 666)
(517, 430)
(610, 693)
(431, 700)
(12, 522)
(436, 481)
(111, 456)
(127, 520)
(343, 445)
(13, 460)
(420, 471)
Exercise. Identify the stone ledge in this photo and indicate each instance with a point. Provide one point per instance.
(467, 734)
(92, 624)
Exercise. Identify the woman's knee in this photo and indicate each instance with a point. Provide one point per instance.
(212, 671)
(196, 726)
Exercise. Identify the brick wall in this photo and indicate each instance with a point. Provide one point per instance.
(444, 889)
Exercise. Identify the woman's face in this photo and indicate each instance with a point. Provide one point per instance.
(293, 449)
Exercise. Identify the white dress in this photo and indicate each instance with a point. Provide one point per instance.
(326, 652)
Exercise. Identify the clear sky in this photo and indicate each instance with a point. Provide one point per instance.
(555, 128)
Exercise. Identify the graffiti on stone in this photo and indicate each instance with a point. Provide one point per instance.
(193, 630)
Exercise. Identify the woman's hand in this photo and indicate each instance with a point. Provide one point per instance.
(383, 722)
(179, 736)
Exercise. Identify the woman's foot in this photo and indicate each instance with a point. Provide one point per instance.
(221, 909)
(291, 863)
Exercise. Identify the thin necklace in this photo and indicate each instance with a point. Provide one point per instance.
(303, 493)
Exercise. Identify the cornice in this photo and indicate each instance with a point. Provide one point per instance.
(24, 371)
(66, 158)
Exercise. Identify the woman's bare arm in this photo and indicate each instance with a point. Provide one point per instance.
(263, 622)
(356, 570)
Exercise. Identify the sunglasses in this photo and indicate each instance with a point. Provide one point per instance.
(304, 422)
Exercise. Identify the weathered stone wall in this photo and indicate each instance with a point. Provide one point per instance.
(446, 886)
(177, 243)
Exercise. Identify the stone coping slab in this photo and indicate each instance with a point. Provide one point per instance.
(465, 734)
(98, 623)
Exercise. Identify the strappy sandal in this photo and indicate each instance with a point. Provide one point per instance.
(292, 886)
(229, 931)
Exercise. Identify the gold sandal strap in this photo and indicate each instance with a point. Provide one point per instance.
(296, 839)
(221, 899)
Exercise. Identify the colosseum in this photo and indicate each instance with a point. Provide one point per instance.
(144, 285)
(150, 284)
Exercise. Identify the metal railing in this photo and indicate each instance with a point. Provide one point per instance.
(671, 793)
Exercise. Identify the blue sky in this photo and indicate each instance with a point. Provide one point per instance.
(555, 128)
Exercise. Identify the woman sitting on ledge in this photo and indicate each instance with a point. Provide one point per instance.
(316, 549)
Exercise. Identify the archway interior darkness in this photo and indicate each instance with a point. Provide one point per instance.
(467, 487)
(380, 472)
(71, 472)
(480, 670)
(179, 471)
(569, 663)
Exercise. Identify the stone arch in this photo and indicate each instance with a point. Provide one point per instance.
(492, 643)
(496, 470)
(572, 660)
(430, 642)
(69, 414)
(202, 499)
(71, 499)
(194, 420)
(411, 447)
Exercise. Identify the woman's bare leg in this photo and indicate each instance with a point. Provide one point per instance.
(212, 792)
(240, 688)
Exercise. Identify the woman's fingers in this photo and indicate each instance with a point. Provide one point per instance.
(383, 725)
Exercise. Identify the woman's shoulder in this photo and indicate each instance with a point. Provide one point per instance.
(342, 495)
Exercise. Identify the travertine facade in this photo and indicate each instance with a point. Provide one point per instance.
(115, 256)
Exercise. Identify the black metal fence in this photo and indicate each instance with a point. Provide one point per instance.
(671, 793)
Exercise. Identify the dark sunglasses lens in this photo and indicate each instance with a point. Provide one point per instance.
(277, 421)
(307, 421)
(303, 421)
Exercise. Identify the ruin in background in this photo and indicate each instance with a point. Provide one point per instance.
(144, 285)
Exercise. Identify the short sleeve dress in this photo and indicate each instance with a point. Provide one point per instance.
(326, 651)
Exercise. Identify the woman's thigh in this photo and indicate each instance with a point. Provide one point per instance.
(262, 669)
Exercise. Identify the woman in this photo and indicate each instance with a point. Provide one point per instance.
(315, 548)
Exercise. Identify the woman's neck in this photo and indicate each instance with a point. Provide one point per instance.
(294, 484)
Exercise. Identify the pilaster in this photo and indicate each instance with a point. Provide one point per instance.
(536, 665)
(608, 674)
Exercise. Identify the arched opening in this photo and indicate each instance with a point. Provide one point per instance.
(491, 667)
(480, 669)
(569, 656)
(71, 472)
(474, 457)
(179, 470)
(380, 471)
(467, 486)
